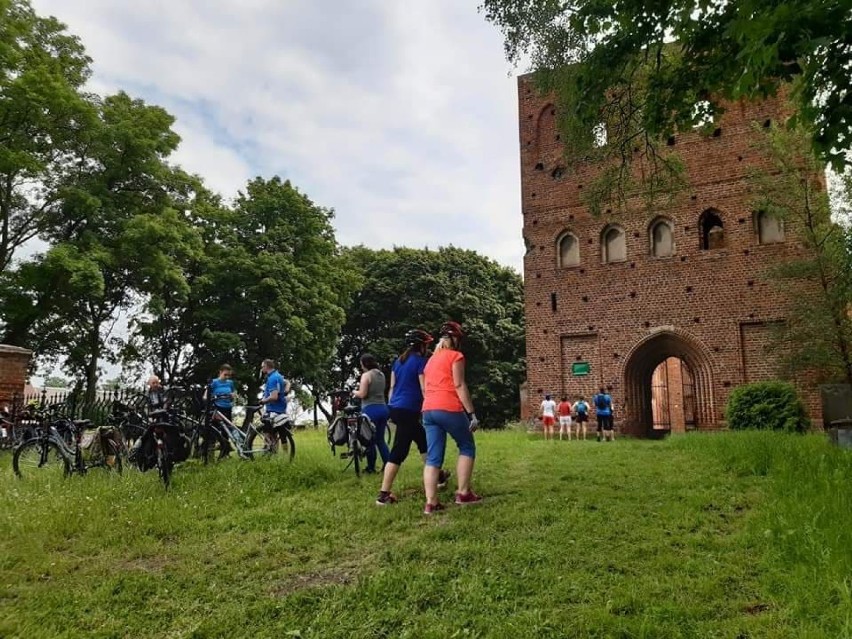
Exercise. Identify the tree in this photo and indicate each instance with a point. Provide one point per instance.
(113, 239)
(645, 70)
(415, 288)
(44, 118)
(816, 337)
(269, 283)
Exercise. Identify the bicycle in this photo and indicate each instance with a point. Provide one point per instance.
(50, 451)
(274, 430)
(162, 445)
(352, 429)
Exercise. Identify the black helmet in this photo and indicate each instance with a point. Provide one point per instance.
(452, 329)
(415, 337)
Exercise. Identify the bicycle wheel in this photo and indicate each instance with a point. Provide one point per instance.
(355, 451)
(288, 444)
(40, 458)
(164, 465)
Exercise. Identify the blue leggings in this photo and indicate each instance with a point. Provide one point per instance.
(439, 423)
(378, 414)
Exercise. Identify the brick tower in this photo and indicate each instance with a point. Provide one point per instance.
(669, 309)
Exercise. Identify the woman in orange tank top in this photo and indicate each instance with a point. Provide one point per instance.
(448, 410)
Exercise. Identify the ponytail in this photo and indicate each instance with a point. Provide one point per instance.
(404, 355)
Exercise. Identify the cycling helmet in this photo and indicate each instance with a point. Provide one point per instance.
(452, 329)
(415, 337)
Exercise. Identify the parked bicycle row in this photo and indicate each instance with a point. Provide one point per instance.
(154, 431)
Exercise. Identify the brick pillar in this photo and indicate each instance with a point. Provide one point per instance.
(14, 365)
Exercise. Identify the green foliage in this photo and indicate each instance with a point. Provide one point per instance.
(673, 539)
(647, 70)
(417, 288)
(267, 282)
(43, 120)
(816, 338)
(766, 406)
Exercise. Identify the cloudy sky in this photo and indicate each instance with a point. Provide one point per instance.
(399, 115)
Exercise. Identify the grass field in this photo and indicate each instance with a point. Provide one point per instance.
(731, 535)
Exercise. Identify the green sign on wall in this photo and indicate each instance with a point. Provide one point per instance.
(580, 369)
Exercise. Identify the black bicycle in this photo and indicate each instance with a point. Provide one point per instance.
(57, 450)
(163, 444)
(350, 428)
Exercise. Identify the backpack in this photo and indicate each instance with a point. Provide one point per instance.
(366, 431)
(337, 433)
(582, 408)
(602, 402)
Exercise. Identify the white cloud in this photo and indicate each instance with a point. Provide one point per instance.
(400, 115)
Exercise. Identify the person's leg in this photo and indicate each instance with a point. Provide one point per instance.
(436, 442)
(225, 442)
(407, 422)
(600, 419)
(378, 414)
(458, 426)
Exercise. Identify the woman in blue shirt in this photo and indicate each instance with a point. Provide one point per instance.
(405, 401)
(221, 392)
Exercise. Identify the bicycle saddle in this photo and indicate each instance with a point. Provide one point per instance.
(83, 423)
(159, 413)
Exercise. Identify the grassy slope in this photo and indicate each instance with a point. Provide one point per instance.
(696, 537)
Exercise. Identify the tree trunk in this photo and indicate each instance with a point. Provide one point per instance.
(92, 364)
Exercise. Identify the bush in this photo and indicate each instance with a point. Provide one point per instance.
(766, 406)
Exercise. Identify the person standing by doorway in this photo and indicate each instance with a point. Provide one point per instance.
(564, 410)
(581, 413)
(603, 411)
(548, 416)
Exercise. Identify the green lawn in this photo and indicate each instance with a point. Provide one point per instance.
(732, 535)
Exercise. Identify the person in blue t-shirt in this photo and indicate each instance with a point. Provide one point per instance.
(221, 391)
(603, 410)
(405, 401)
(275, 389)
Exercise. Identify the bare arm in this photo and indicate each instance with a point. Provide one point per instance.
(363, 387)
(393, 381)
(461, 386)
(422, 378)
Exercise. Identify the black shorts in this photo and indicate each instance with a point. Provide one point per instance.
(605, 422)
(582, 418)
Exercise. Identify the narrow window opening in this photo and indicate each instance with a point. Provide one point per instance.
(712, 230)
(553, 302)
(613, 245)
(770, 229)
(568, 251)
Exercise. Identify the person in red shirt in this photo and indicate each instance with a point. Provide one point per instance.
(448, 409)
(564, 411)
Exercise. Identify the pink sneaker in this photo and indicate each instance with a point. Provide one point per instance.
(432, 508)
(469, 498)
(385, 499)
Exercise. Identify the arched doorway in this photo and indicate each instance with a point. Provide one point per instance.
(667, 384)
(673, 397)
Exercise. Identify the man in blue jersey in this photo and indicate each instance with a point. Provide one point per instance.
(275, 390)
(603, 410)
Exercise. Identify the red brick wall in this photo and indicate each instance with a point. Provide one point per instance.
(14, 363)
(717, 304)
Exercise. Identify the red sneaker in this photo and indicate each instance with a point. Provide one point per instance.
(469, 498)
(385, 499)
(432, 508)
